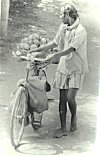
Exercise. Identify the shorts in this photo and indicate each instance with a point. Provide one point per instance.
(63, 81)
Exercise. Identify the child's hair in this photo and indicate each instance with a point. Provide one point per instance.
(71, 10)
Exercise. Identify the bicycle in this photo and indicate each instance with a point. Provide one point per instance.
(19, 114)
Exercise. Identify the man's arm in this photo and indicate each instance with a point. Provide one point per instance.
(55, 57)
(65, 52)
(45, 47)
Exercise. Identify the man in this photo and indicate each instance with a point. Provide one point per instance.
(72, 65)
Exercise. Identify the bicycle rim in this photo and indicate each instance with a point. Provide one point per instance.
(18, 117)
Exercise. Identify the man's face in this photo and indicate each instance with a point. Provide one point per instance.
(66, 19)
(64, 15)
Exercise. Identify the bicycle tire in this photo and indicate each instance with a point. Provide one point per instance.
(18, 113)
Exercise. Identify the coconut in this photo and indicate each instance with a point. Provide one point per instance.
(18, 46)
(36, 36)
(24, 51)
(22, 40)
(40, 37)
(21, 46)
(26, 47)
(33, 46)
(30, 37)
(36, 41)
(30, 42)
(42, 45)
(18, 53)
(43, 40)
(25, 40)
(48, 40)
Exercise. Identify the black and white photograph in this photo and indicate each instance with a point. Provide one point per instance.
(49, 77)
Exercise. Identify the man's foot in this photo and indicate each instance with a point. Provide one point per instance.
(73, 126)
(59, 133)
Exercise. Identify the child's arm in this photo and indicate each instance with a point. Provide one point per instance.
(76, 23)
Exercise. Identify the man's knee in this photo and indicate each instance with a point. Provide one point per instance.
(63, 96)
(70, 99)
(62, 106)
(71, 95)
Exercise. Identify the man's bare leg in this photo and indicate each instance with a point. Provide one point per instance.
(73, 108)
(62, 113)
(73, 125)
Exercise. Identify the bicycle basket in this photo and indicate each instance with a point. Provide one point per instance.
(38, 101)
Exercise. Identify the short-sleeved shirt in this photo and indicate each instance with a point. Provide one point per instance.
(75, 62)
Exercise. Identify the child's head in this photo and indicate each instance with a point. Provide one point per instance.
(68, 11)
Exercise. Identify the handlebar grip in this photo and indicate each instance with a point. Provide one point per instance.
(24, 58)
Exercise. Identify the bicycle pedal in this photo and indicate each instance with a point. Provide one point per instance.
(27, 121)
(36, 125)
(36, 122)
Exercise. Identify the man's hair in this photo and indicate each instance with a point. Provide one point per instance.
(71, 10)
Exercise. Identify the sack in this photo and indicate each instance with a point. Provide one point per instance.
(37, 98)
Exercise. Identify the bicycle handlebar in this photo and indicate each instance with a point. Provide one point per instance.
(35, 61)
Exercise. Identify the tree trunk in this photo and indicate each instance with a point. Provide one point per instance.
(0, 11)
(4, 14)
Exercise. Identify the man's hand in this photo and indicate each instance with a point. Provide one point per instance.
(36, 54)
(33, 55)
(53, 58)
(39, 54)
(50, 56)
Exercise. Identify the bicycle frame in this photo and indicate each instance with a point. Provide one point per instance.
(27, 71)
(36, 67)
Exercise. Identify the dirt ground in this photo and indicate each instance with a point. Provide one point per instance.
(43, 17)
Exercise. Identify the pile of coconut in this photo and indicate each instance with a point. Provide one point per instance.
(31, 42)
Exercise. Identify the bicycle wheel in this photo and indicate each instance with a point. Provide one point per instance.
(18, 116)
